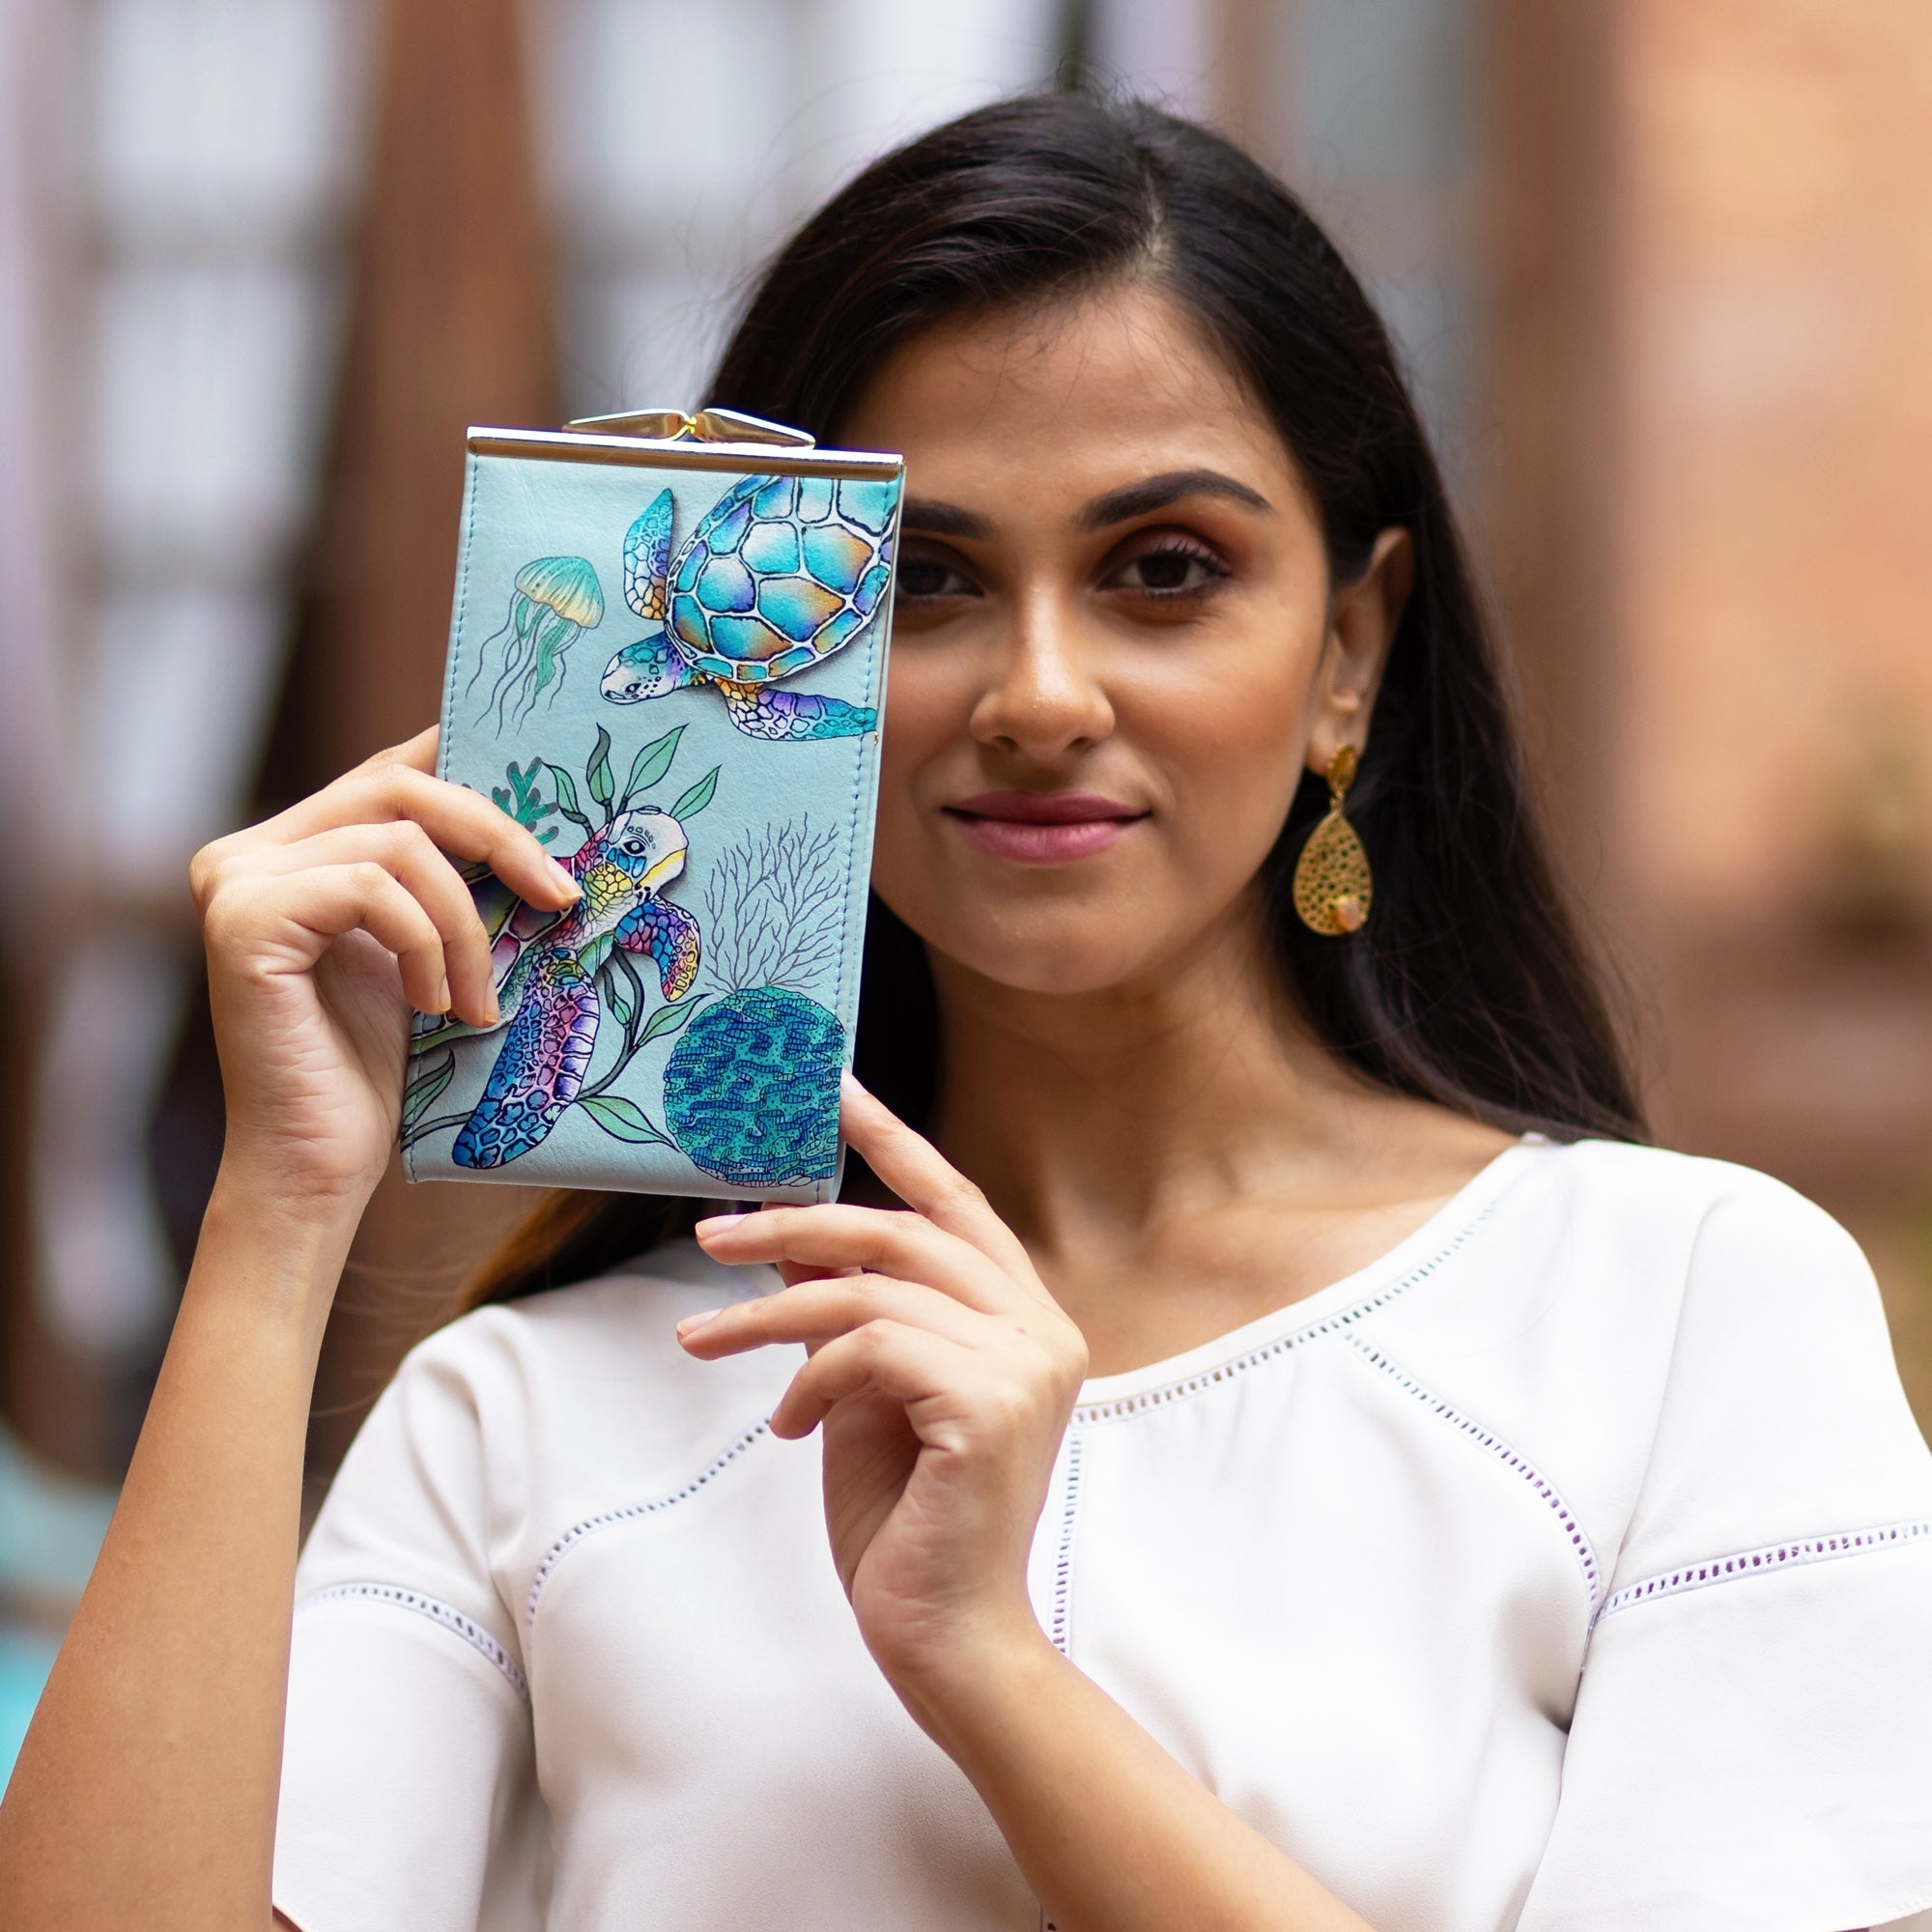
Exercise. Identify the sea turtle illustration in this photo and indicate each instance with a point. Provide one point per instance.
(778, 575)
(545, 967)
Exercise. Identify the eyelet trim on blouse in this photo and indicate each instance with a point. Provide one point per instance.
(1060, 1625)
(437, 1612)
(1338, 1323)
(1510, 1459)
(1772, 1557)
(576, 1534)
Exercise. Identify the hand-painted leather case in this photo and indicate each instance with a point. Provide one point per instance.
(668, 659)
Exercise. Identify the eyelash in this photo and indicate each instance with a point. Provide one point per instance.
(1191, 549)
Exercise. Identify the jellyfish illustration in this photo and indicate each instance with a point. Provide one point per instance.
(555, 598)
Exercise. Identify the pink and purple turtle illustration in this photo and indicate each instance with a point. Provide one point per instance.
(778, 575)
(547, 980)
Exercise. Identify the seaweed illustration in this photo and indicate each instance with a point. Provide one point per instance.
(521, 802)
(558, 973)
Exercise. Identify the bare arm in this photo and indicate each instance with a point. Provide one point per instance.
(145, 1793)
(943, 1375)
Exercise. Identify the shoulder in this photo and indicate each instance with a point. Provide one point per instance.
(1604, 1242)
(1648, 1231)
(1692, 1351)
(1726, 1251)
(1777, 1411)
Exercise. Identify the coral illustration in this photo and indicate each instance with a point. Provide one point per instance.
(775, 903)
(751, 1088)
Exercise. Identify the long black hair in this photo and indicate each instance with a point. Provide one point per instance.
(1469, 986)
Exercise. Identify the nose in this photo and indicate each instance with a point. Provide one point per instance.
(1045, 699)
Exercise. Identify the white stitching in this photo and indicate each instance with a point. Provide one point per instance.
(1772, 1557)
(1327, 1325)
(577, 1532)
(437, 1612)
(1510, 1459)
(1063, 1562)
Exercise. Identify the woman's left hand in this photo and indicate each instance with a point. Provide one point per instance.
(943, 1374)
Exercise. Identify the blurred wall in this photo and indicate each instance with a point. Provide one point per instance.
(1765, 734)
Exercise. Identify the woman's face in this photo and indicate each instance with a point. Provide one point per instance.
(1114, 644)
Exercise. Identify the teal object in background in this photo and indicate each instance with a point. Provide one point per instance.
(50, 1531)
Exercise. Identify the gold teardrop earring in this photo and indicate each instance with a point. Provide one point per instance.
(1333, 886)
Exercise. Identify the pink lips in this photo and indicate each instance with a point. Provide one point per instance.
(1042, 828)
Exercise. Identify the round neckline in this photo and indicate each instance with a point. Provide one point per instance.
(1443, 1228)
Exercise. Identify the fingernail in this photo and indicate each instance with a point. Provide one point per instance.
(715, 1224)
(692, 1324)
(495, 1012)
(565, 881)
(443, 994)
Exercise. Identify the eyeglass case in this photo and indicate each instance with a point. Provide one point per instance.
(666, 659)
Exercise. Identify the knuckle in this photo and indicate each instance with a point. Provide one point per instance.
(204, 872)
(960, 1194)
(395, 780)
(406, 840)
(874, 1336)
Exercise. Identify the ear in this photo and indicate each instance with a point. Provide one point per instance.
(1362, 620)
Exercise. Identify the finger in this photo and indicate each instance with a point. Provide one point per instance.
(307, 910)
(407, 853)
(459, 821)
(840, 1236)
(910, 1365)
(418, 752)
(927, 1181)
(816, 1312)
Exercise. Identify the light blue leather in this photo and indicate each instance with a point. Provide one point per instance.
(774, 879)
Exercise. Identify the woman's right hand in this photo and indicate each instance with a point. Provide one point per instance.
(325, 926)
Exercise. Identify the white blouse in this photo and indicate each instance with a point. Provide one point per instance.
(1570, 1567)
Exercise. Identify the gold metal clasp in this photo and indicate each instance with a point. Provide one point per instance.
(709, 425)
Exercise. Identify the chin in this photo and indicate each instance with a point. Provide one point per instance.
(1066, 957)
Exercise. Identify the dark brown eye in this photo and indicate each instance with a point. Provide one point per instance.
(933, 577)
(1175, 570)
(1165, 570)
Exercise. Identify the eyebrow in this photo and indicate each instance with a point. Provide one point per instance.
(945, 520)
(1136, 500)
(1132, 500)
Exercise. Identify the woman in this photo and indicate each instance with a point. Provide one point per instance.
(1318, 1471)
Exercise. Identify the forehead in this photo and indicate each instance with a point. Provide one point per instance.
(1075, 395)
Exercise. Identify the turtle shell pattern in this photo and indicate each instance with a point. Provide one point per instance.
(779, 573)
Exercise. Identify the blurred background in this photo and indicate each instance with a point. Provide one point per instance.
(1661, 270)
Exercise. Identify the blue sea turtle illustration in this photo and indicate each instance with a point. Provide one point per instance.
(778, 575)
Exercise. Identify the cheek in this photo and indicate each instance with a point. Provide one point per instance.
(1230, 750)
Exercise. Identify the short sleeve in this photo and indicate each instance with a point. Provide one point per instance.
(1752, 1745)
(409, 1798)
